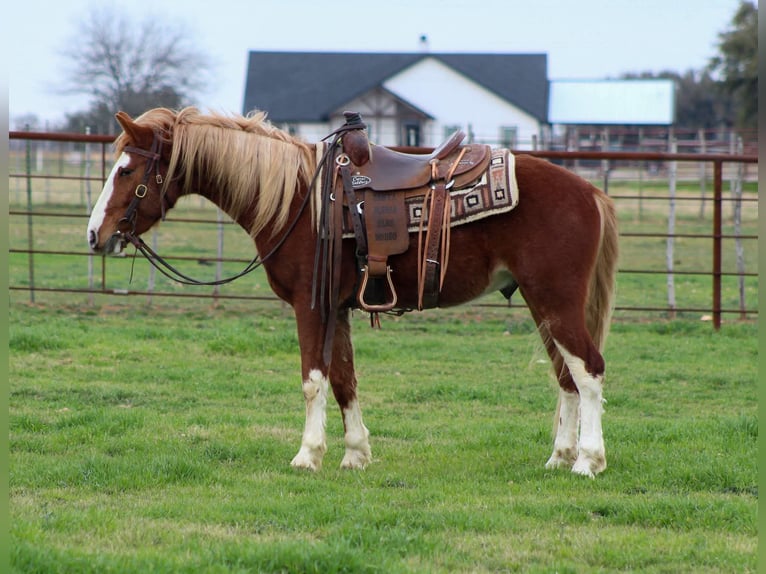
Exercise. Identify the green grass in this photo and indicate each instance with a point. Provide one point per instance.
(158, 439)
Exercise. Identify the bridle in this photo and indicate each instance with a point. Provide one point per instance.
(161, 264)
(154, 154)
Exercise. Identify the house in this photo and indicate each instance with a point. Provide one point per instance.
(405, 98)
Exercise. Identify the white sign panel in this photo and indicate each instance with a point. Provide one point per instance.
(621, 102)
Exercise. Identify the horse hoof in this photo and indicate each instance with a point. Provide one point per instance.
(355, 460)
(562, 459)
(304, 465)
(589, 466)
(555, 463)
(303, 460)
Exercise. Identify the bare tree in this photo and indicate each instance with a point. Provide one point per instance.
(132, 66)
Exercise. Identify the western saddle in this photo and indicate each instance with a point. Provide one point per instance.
(365, 192)
(375, 182)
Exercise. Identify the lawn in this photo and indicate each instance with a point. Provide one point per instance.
(158, 439)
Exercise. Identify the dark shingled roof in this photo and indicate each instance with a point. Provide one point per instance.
(309, 86)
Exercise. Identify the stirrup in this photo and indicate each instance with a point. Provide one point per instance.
(382, 308)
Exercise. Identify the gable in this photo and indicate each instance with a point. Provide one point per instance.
(521, 79)
(444, 93)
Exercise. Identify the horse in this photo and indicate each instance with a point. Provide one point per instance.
(558, 246)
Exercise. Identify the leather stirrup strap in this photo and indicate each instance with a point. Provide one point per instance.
(356, 217)
(430, 279)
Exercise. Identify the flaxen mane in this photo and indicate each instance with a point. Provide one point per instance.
(236, 152)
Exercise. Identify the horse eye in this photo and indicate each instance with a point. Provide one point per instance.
(124, 171)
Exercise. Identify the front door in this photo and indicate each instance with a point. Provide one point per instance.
(411, 134)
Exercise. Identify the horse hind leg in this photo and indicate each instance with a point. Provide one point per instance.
(565, 445)
(588, 375)
(567, 420)
(579, 368)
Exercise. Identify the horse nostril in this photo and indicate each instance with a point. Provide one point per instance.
(92, 238)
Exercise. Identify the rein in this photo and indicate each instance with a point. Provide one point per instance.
(161, 264)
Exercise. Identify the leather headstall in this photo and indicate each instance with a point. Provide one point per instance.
(154, 154)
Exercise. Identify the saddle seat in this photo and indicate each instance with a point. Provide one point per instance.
(386, 169)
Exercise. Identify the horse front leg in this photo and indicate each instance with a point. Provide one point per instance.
(315, 386)
(344, 383)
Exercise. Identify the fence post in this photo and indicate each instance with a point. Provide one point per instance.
(88, 207)
(641, 167)
(717, 207)
(219, 263)
(30, 233)
(672, 167)
(737, 215)
(703, 173)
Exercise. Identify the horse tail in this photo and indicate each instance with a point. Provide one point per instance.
(600, 303)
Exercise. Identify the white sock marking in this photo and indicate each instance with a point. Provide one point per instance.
(313, 444)
(591, 459)
(565, 443)
(358, 453)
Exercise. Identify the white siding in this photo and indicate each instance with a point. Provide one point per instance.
(453, 99)
(311, 132)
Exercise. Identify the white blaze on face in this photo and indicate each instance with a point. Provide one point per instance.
(99, 210)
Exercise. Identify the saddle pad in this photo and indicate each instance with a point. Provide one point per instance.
(494, 193)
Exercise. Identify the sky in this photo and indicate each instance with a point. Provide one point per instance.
(584, 39)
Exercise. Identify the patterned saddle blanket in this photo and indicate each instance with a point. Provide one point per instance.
(496, 191)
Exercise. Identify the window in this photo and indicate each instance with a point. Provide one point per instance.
(509, 136)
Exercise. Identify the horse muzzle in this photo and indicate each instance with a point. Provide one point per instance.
(113, 246)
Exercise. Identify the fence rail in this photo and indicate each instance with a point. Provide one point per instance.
(28, 209)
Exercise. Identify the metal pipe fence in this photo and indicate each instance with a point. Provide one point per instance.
(50, 199)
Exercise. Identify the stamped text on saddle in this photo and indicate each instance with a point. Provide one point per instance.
(387, 195)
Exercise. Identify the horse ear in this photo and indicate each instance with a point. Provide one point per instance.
(140, 136)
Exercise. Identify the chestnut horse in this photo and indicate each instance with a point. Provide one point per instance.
(558, 246)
